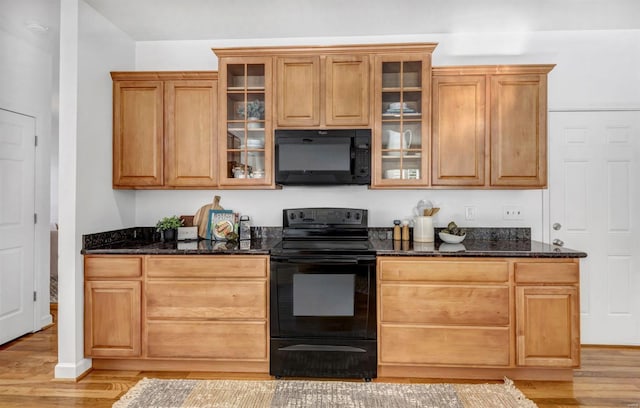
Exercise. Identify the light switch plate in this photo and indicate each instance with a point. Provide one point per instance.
(185, 233)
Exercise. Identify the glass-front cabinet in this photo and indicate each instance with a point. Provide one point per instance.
(401, 132)
(245, 109)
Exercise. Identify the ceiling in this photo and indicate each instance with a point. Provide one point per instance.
(149, 20)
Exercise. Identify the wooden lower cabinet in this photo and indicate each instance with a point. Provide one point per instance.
(547, 314)
(112, 306)
(197, 313)
(112, 319)
(483, 318)
(478, 318)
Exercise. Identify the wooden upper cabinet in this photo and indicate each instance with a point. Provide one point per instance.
(190, 108)
(347, 90)
(319, 90)
(164, 127)
(459, 130)
(490, 126)
(401, 130)
(245, 102)
(519, 130)
(138, 155)
(298, 91)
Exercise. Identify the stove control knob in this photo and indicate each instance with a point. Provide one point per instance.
(357, 216)
(292, 216)
(348, 214)
(301, 215)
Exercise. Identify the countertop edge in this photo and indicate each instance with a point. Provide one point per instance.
(264, 248)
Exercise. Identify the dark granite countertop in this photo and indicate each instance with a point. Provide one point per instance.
(514, 242)
(145, 241)
(475, 248)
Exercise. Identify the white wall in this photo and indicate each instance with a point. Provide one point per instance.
(594, 69)
(91, 47)
(26, 84)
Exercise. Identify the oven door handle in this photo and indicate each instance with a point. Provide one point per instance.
(316, 261)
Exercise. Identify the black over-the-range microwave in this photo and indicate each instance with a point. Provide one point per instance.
(323, 157)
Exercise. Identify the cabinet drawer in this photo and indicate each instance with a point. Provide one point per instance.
(442, 345)
(110, 266)
(221, 266)
(222, 299)
(547, 272)
(413, 269)
(210, 340)
(450, 305)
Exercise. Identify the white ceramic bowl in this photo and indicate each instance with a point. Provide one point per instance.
(450, 238)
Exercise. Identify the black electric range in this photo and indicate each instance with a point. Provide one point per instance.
(323, 296)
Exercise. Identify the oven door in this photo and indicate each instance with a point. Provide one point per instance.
(323, 297)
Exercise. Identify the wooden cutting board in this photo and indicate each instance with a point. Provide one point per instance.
(201, 218)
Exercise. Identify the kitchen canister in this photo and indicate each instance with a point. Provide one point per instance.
(423, 229)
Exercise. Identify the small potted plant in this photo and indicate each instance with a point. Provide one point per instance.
(254, 112)
(168, 226)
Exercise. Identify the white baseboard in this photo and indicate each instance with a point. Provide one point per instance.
(71, 371)
(45, 321)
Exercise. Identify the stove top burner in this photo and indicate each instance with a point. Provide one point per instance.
(335, 231)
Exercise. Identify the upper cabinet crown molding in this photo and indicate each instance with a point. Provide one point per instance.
(162, 75)
(332, 49)
(493, 69)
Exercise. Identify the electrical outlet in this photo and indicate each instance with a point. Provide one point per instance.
(512, 212)
(470, 212)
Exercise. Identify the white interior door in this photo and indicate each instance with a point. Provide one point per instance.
(17, 192)
(594, 199)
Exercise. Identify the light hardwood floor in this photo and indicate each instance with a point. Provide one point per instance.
(609, 377)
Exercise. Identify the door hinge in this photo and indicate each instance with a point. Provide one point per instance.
(35, 295)
(35, 218)
(36, 142)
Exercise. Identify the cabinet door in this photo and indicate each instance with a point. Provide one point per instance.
(112, 318)
(298, 91)
(547, 326)
(245, 140)
(347, 90)
(458, 136)
(518, 130)
(190, 110)
(401, 131)
(137, 134)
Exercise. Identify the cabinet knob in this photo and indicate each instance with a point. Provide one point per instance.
(557, 226)
(558, 242)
